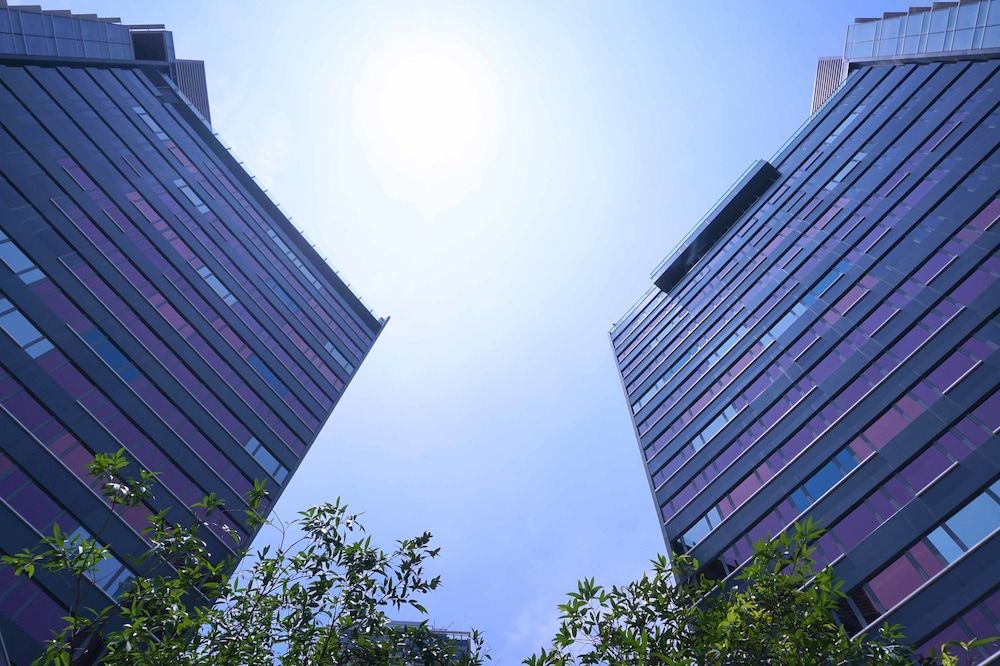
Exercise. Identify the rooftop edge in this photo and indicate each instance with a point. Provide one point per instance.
(757, 178)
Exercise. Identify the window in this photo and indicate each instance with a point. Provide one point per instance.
(150, 123)
(337, 356)
(846, 171)
(265, 372)
(667, 376)
(109, 574)
(217, 285)
(824, 478)
(726, 346)
(945, 544)
(282, 294)
(829, 279)
(110, 354)
(191, 196)
(713, 428)
(18, 262)
(975, 521)
(783, 324)
(266, 459)
(700, 529)
(295, 260)
(940, 547)
(844, 125)
(21, 331)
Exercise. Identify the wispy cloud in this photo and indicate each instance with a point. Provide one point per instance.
(533, 627)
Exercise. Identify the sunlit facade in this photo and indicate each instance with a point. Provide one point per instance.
(825, 343)
(969, 28)
(966, 29)
(152, 297)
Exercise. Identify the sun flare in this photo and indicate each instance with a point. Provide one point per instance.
(430, 116)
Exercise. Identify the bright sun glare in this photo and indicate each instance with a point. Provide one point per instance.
(430, 116)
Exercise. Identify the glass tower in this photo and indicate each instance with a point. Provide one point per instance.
(152, 298)
(824, 343)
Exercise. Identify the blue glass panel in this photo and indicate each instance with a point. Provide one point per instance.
(945, 545)
(257, 364)
(18, 328)
(282, 294)
(191, 196)
(822, 480)
(36, 349)
(216, 285)
(799, 500)
(696, 533)
(30, 276)
(829, 278)
(111, 354)
(339, 357)
(963, 40)
(847, 459)
(864, 31)
(14, 258)
(976, 520)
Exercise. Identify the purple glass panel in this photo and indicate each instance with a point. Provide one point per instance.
(26, 410)
(980, 626)
(989, 412)
(825, 368)
(972, 431)
(952, 632)
(895, 582)
(855, 526)
(35, 506)
(928, 560)
(898, 491)
(950, 370)
(972, 286)
(925, 468)
(885, 428)
(880, 503)
(40, 617)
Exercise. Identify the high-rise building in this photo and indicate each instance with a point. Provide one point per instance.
(829, 74)
(152, 298)
(825, 342)
(945, 30)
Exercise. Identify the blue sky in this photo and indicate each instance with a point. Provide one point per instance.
(590, 138)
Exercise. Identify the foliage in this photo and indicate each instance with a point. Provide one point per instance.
(320, 596)
(779, 611)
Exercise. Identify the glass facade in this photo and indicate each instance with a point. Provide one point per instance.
(834, 354)
(945, 27)
(32, 32)
(35, 33)
(152, 297)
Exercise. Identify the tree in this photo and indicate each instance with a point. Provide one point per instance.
(320, 596)
(780, 611)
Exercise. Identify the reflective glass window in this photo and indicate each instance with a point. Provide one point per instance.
(265, 372)
(22, 331)
(111, 355)
(976, 520)
(339, 357)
